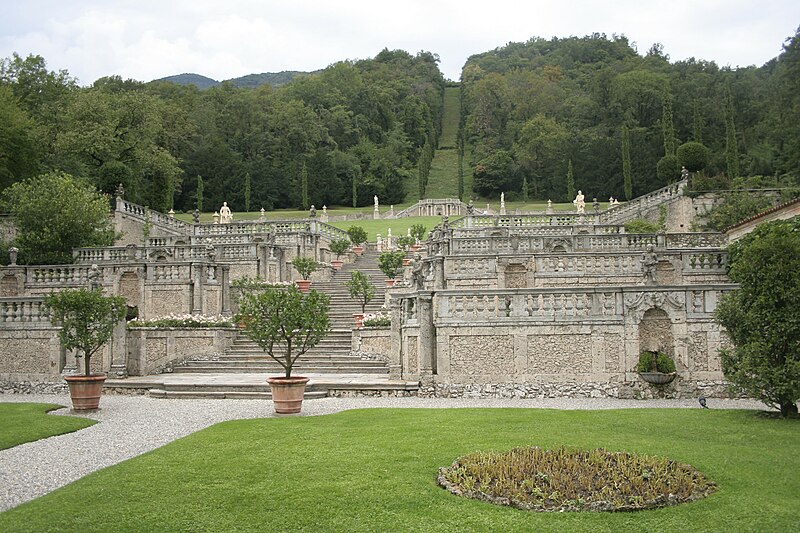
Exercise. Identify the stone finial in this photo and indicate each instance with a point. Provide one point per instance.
(263, 216)
(12, 255)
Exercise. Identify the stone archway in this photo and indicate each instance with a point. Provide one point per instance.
(655, 332)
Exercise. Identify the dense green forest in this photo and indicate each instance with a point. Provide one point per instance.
(352, 131)
(529, 109)
(531, 113)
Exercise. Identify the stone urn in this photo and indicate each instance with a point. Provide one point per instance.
(657, 378)
(85, 391)
(287, 393)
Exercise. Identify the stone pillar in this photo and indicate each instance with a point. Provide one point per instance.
(395, 352)
(427, 337)
(119, 351)
(439, 281)
(225, 285)
(198, 274)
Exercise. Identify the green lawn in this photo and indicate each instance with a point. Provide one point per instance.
(399, 225)
(27, 422)
(375, 470)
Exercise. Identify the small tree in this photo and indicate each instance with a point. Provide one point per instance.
(305, 266)
(55, 213)
(667, 169)
(358, 235)
(361, 288)
(406, 241)
(390, 263)
(285, 323)
(339, 246)
(418, 231)
(762, 317)
(693, 156)
(87, 319)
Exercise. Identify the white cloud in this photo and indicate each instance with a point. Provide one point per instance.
(149, 39)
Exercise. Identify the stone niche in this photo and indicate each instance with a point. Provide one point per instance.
(655, 332)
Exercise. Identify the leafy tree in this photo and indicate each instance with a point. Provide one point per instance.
(391, 262)
(693, 156)
(626, 163)
(360, 288)
(285, 323)
(19, 150)
(305, 266)
(762, 317)
(55, 213)
(87, 319)
(357, 234)
(339, 246)
(495, 173)
(668, 169)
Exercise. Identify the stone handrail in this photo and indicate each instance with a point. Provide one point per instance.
(631, 210)
(531, 219)
(155, 218)
(183, 252)
(408, 211)
(277, 226)
(16, 310)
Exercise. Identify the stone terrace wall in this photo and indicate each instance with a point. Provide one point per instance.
(154, 350)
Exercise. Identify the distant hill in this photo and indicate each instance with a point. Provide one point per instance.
(276, 79)
(201, 82)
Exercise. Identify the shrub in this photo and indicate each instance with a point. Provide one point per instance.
(574, 480)
(650, 361)
(418, 231)
(406, 242)
(305, 266)
(183, 321)
(668, 169)
(376, 320)
(641, 225)
(358, 235)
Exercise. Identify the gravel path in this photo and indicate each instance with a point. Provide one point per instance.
(132, 425)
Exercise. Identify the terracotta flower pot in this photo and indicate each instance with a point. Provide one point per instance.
(358, 250)
(85, 391)
(406, 261)
(390, 282)
(287, 393)
(336, 264)
(359, 318)
(303, 284)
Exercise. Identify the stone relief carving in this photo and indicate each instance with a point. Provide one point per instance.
(637, 304)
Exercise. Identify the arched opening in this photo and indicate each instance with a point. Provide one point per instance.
(655, 332)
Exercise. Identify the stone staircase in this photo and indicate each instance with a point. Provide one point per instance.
(331, 358)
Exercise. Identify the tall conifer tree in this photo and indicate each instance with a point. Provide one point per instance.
(626, 163)
(570, 182)
(731, 148)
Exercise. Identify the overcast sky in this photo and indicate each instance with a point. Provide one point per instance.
(223, 39)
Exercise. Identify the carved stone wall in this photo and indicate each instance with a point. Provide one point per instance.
(560, 354)
(472, 355)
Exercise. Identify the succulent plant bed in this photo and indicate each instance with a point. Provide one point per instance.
(564, 479)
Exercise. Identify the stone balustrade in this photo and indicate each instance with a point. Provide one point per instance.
(160, 220)
(21, 310)
(632, 209)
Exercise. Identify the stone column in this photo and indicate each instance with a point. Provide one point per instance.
(427, 337)
(119, 351)
(395, 352)
(439, 281)
(198, 271)
(225, 285)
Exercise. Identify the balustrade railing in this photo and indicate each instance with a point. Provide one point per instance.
(16, 310)
(630, 209)
(155, 218)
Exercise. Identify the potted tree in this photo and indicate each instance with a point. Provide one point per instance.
(305, 266)
(338, 247)
(361, 289)
(418, 232)
(656, 367)
(87, 319)
(285, 323)
(390, 263)
(358, 236)
(405, 243)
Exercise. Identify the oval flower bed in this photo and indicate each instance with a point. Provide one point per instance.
(574, 480)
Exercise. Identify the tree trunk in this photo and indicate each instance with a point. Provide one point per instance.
(788, 409)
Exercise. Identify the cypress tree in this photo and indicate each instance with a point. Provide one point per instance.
(355, 192)
(570, 182)
(626, 163)
(304, 187)
(667, 126)
(200, 193)
(247, 192)
(697, 134)
(525, 188)
(731, 148)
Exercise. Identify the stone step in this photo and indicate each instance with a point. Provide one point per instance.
(227, 395)
(274, 368)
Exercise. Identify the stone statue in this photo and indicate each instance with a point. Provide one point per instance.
(418, 273)
(375, 200)
(595, 205)
(94, 277)
(211, 252)
(470, 208)
(502, 203)
(580, 205)
(649, 263)
(196, 216)
(312, 213)
(225, 215)
(120, 191)
(684, 173)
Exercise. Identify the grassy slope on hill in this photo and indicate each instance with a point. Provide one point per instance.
(443, 179)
